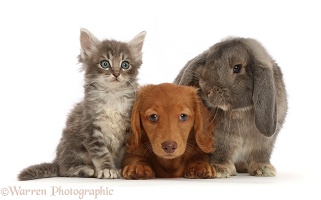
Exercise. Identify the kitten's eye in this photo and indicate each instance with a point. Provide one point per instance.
(182, 117)
(125, 65)
(237, 69)
(153, 118)
(105, 64)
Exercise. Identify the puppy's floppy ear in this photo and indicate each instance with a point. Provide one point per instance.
(204, 126)
(188, 75)
(264, 99)
(135, 135)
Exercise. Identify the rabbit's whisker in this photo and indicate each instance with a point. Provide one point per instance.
(187, 70)
(238, 128)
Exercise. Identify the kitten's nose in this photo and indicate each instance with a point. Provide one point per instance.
(116, 74)
(169, 147)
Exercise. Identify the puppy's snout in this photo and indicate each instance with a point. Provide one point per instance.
(169, 147)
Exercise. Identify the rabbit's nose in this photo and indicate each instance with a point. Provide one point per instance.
(209, 93)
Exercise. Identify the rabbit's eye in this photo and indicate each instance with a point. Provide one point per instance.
(237, 68)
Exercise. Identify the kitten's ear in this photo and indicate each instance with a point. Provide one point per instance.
(136, 45)
(88, 42)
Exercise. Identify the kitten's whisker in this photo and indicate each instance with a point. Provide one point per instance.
(93, 83)
(133, 85)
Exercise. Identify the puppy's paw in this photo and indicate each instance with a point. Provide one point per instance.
(225, 170)
(199, 169)
(138, 171)
(262, 169)
(108, 174)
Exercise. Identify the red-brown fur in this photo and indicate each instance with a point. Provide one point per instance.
(146, 158)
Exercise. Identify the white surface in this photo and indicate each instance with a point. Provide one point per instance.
(284, 186)
(40, 82)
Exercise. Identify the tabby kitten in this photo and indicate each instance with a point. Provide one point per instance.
(93, 142)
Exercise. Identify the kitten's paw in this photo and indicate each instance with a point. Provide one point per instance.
(79, 171)
(108, 174)
(199, 169)
(86, 172)
(224, 170)
(262, 169)
(137, 171)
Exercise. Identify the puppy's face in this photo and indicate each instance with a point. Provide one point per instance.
(167, 117)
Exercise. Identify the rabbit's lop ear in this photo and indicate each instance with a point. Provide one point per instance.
(264, 99)
(187, 75)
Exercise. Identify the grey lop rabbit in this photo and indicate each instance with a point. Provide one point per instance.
(243, 87)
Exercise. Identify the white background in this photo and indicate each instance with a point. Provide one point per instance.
(40, 82)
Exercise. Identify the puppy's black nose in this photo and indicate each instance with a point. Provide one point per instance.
(169, 147)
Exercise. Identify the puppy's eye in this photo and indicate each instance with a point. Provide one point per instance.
(182, 117)
(153, 118)
(237, 68)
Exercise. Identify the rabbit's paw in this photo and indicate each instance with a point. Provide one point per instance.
(225, 170)
(262, 169)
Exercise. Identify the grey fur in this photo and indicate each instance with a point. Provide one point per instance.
(249, 107)
(93, 142)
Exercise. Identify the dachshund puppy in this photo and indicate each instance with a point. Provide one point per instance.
(172, 135)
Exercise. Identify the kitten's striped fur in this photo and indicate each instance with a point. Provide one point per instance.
(93, 142)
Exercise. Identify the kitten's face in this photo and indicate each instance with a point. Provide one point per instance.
(110, 64)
